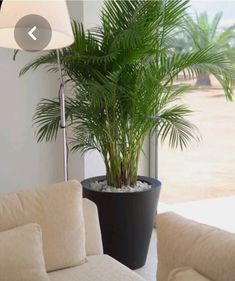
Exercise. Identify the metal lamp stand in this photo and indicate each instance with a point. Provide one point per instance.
(62, 119)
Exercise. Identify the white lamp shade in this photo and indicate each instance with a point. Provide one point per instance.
(54, 11)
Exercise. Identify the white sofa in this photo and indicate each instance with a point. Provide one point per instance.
(55, 208)
(191, 251)
(99, 267)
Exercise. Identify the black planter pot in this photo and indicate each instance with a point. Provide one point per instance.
(126, 220)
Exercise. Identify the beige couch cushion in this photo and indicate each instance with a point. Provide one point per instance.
(183, 242)
(185, 274)
(58, 210)
(21, 255)
(98, 268)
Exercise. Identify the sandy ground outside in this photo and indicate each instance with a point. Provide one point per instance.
(206, 169)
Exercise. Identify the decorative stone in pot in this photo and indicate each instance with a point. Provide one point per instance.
(126, 219)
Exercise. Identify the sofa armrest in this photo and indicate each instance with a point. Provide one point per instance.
(185, 274)
(182, 242)
(94, 244)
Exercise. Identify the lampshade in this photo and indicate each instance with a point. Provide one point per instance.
(54, 11)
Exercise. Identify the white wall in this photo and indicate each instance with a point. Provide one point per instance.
(91, 14)
(76, 160)
(94, 164)
(23, 162)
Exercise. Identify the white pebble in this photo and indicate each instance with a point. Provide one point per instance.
(102, 186)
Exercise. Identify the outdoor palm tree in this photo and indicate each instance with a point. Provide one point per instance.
(123, 76)
(201, 33)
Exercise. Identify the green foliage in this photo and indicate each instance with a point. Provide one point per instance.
(203, 32)
(123, 84)
(200, 32)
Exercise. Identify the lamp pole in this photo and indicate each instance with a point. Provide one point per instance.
(62, 118)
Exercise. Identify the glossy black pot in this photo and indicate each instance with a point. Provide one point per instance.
(126, 220)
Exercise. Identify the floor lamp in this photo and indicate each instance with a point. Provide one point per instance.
(40, 18)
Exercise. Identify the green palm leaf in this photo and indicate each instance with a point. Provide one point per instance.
(123, 75)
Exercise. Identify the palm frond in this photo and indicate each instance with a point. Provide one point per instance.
(172, 124)
(123, 75)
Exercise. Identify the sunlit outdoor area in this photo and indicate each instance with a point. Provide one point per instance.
(205, 169)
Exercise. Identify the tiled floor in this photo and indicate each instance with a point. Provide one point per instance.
(218, 212)
(148, 272)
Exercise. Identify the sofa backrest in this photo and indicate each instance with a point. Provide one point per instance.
(58, 209)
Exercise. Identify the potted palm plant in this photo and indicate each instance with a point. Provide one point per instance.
(123, 75)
